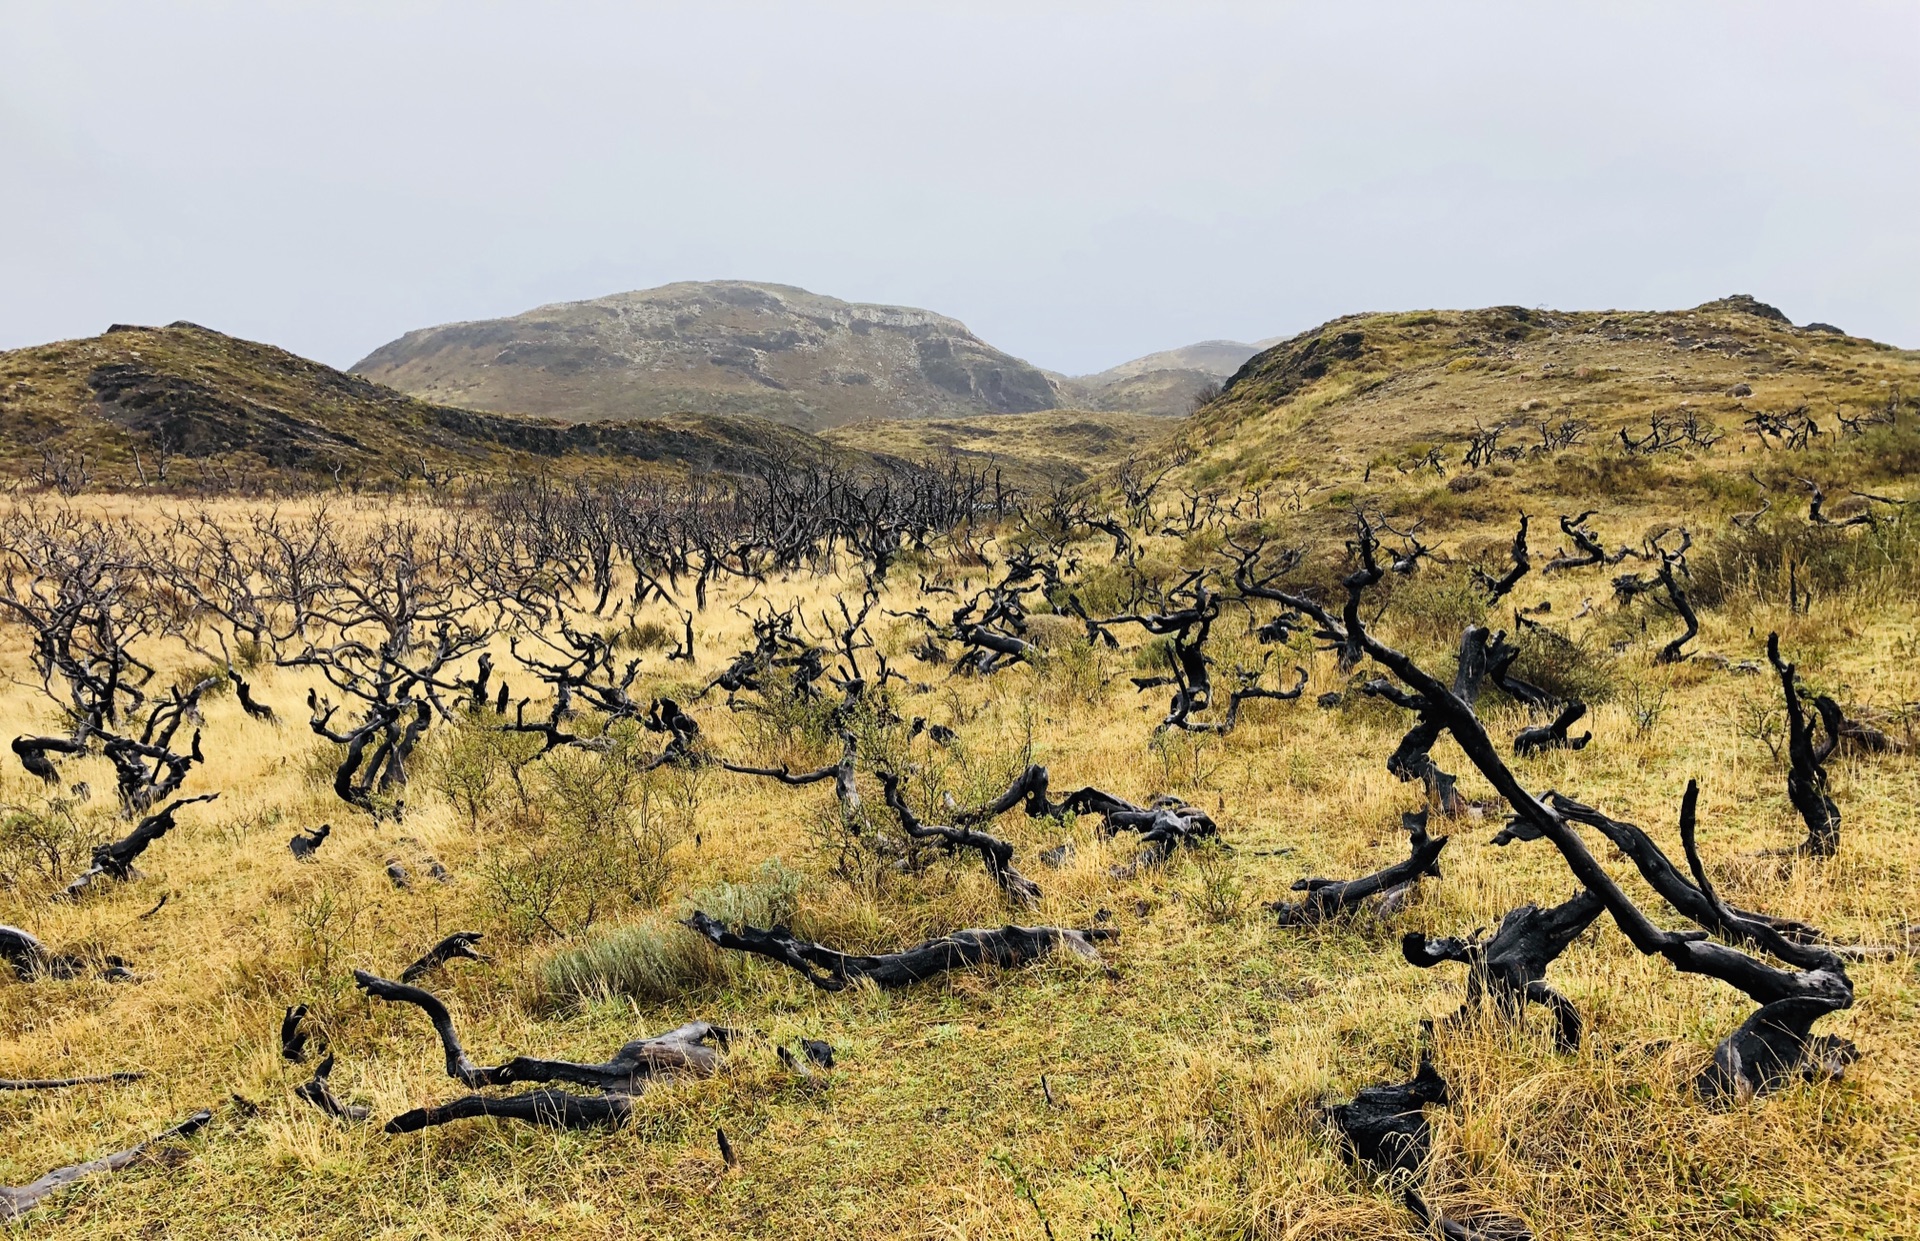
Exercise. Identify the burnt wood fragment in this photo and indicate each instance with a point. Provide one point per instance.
(1499, 587)
(1385, 1127)
(1007, 947)
(1554, 736)
(305, 844)
(460, 944)
(294, 1034)
(1332, 898)
(33, 751)
(1480, 1226)
(115, 859)
(317, 1091)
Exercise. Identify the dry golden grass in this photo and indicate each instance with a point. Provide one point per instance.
(1185, 1074)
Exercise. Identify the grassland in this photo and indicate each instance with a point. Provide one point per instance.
(1184, 1071)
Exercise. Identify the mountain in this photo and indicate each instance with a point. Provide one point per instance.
(136, 399)
(1169, 382)
(719, 347)
(1381, 391)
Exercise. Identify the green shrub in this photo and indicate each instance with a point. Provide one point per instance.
(655, 959)
(1566, 667)
(1432, 607)
(594, 836)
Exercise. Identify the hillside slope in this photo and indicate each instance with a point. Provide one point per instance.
(721, 347)
(162, 394)
(1367, 392)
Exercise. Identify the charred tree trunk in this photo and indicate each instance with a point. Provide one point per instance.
(1807, 759)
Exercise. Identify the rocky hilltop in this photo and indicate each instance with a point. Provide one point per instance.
(1368, 392)
(718, 347)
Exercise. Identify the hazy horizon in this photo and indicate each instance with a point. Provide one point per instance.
(1079, 184)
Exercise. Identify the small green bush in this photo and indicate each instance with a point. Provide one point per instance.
(655, 959)
(1566, 667)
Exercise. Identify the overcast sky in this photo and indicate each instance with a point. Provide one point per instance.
(1079, 183)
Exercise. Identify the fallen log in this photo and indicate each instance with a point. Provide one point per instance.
(62, 1083)
(683, 1050)
(1007, 948)
(549, 1109)
(16, 1201)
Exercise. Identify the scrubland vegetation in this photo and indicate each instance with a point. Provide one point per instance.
(571, 719)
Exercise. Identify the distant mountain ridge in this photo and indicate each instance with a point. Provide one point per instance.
(717, 347)
(1170, 382)
(771, 350)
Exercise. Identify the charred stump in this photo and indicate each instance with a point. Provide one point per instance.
(1511, 968)
(1385, 1127)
